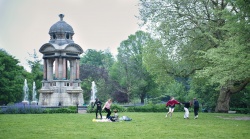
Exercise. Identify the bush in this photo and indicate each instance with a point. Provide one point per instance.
(241, 110)
(59, 110)
(20, 108)
(117, 107)
(150, 108)
(144, 108)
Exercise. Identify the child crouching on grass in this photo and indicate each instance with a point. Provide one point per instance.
(115, 118)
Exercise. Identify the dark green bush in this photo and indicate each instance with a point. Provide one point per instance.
(73, 108)
(241, 110)
(59, 110)
(148, 108)
(117, 107)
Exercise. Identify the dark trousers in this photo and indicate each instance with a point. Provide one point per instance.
(196, 109)
(100, 112)
(108, 111)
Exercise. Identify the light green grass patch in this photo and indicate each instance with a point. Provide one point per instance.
(142, 126)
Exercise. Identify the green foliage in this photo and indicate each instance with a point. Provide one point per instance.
(59, 110)
(12, 78)
(199, 39)
(95, 66)
(73, 108)
(118, 107)
(129, 71)
(241, 99)
(206, 93)
(241, 110)
(148, 108)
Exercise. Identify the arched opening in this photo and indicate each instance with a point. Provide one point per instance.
(67, 36)
(54, 36)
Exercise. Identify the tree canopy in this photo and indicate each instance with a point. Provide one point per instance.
(12, 77)
(200, 39)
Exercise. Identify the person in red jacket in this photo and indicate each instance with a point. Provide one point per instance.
(171, 103)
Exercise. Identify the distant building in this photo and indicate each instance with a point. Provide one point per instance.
(61, 85)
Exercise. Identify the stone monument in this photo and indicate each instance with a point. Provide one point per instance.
(61, 85)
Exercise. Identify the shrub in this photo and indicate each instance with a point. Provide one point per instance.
(148, 108)
(241, 110)
(21, 108)
(152, 108)
(117, 107)
(59, 110)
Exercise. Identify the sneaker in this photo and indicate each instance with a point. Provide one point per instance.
(166, 116)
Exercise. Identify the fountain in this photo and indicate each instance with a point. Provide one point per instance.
(26, 92)
(34, 100)
(93, 93)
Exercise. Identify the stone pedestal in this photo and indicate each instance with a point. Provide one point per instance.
(34, 103)
(25, 102)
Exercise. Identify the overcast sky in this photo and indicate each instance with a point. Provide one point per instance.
(98, 24)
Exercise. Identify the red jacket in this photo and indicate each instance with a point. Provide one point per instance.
(172, 102)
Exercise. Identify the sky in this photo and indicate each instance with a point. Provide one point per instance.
(97, 24)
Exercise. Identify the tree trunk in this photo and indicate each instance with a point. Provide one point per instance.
(225, 93)
(223, 100)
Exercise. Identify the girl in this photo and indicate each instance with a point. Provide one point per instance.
(107, 108)
(187, 105)
(171, 103)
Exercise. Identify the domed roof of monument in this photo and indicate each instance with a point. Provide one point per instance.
(61, 27)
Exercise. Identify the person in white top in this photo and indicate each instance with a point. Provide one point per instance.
(115, 118)
(107, 106)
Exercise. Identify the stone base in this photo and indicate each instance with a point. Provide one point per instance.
(61, 99)
(25, 102)
(34, 103)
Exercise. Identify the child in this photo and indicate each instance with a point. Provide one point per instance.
(171, 103)
(98, 104)
(196, 108)
(186, 107)
(114, 118)
(107, 107)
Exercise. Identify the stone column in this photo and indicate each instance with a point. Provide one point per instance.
(47, 69)
(77, 69)
(44, 69)
(71, 69)
(50, 69)
(60, 70)
(56, 68)
(64, 70)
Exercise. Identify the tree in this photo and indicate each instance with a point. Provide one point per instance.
(12, 79)
(201, 39)
(129, 71)
(36, 70)
(94, 67)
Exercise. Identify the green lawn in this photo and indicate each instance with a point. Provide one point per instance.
(143, 126)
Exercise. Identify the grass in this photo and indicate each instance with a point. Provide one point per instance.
(143, 126)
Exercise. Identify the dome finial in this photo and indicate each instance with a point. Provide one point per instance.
(61, 17)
